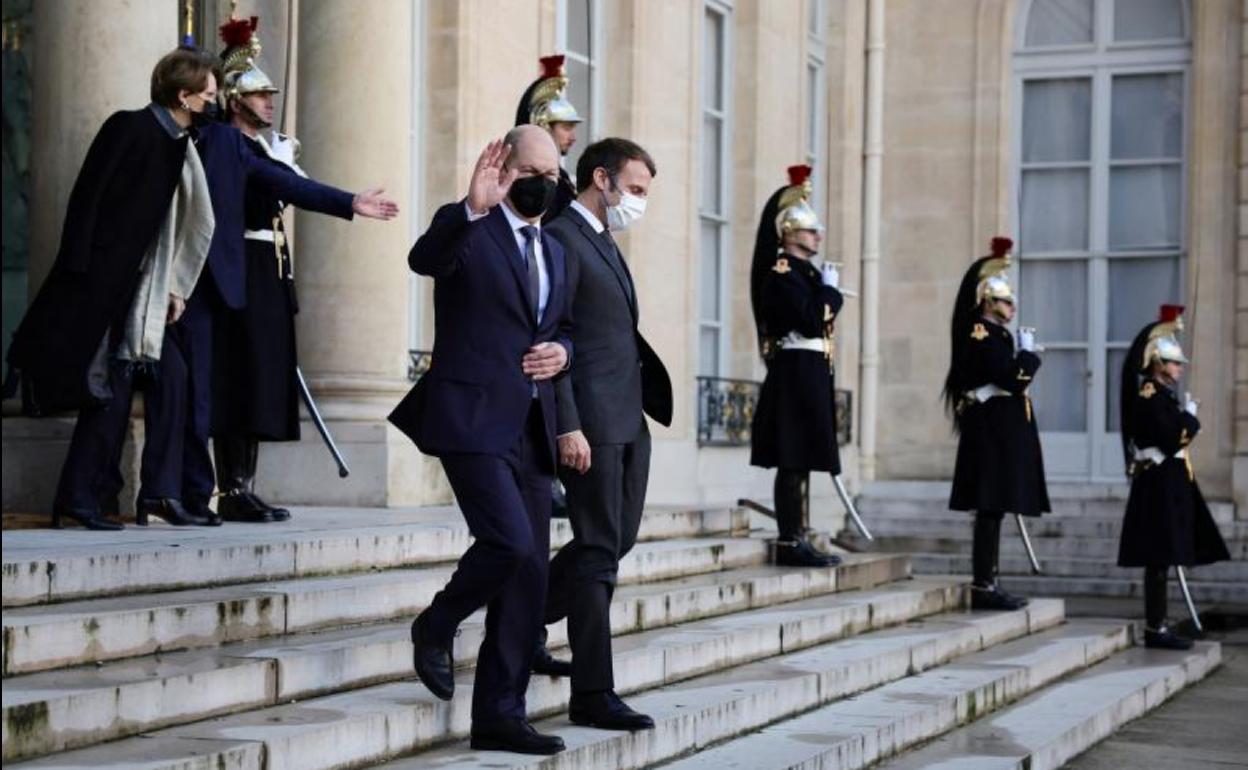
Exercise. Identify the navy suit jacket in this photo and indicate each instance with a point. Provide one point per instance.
(229, 163)
(474, 399)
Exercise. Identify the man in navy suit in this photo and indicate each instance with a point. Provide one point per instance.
(228, 164)
(486, 409)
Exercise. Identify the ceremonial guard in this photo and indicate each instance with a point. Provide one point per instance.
(545, 104)
(1167, 522)
(999, 466)
(255, 393)
(795, 305)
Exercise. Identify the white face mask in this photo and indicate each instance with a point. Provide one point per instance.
(626, 212)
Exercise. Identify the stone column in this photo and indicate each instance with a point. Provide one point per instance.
(90, 59)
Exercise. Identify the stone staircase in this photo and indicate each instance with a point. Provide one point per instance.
(286, 646)
(1077, 544)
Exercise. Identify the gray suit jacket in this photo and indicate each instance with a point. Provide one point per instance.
(615, 374)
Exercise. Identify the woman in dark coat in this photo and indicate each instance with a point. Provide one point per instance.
(999, 466)
(795, 307)
(1167, 522)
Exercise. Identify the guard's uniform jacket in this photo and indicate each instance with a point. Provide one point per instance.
(1167, 521)
(999, 465)
(255, 391)
(795, 420)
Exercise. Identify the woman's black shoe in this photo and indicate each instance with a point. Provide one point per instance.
(513, 735)
(169, 509)
(88, 519)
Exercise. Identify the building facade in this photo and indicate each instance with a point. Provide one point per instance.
(1108, 136)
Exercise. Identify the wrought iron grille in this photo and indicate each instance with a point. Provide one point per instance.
(726, 411)
(418, 363)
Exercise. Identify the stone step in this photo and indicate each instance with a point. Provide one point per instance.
(861, 730)
(721, 706)
(939, 490)
(888, 507)
(58, 710)
(1228, 596)
(1018, 564)
(958, 525)
(1047, 729)
(387, 721)
(60, 565)
(1051, 547)
(59, 635)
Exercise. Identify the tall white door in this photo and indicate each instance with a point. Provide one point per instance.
(1100, 103)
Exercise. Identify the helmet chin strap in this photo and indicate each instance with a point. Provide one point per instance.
(250, 115)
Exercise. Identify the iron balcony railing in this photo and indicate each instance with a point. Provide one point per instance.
(726, 412)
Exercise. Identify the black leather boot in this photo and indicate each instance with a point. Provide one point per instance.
(985, 547)
(236, 458)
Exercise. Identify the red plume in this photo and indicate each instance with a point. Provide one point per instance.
(798, 175)
(237, 32)
(1170, 312)
(1001, 245)
(552, 66)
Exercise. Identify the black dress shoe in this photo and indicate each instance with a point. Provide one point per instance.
(432, 662)
(799, 553)
(992, 598)
(1165, 639)
(89, 519)
(200, 508)
(241, 505)
(545, 663)
(605, 710)
(513, 735)
(169, 509)
(1021, 601)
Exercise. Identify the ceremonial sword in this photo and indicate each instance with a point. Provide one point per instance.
(1036, 569)
(1187, 597)
(850, 509)
(315, 414)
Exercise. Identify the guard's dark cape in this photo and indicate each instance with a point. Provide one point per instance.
(999, 465)
(795, 421)
(255, 392)
(1167, 521)
(118, 202)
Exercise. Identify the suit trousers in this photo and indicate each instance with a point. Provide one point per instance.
(91, 476)
(205, 310)
(604, 507)
(506, 503)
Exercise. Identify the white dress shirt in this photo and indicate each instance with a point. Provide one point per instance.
(517, 224)
(589, 216)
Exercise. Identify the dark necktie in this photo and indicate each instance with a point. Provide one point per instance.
(530, 264)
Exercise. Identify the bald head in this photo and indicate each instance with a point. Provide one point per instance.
(533, 151)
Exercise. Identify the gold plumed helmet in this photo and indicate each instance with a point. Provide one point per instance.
(239, 74)
(795, 212)
(994, 278)
(1163, 339)
(547, 98)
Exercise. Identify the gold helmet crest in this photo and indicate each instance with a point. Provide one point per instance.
(795, 212)
(994, 273)
(1163, 339)
(239, 74)
(548, 102)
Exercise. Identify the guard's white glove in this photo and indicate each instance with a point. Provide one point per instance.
(830, 275)
(1027, 339)
(1192, 405)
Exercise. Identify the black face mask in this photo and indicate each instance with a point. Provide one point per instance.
(532, 195)
(208, 115)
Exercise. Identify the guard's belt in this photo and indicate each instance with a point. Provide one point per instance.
(985, 392)
(1153, 455)
(794, 341)
(259, 235)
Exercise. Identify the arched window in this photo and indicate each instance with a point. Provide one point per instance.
(1100, 135)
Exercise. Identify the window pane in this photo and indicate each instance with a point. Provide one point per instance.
(1113, 371)
(708, 352)
(1147, 117)
(712, 141)
(1147, 20)
(1059, 392)
(812, 109)
(1137, 288)
(709, 309)
(1144, 207)
(1053, 297)
(1055, 210)
(712, 61)
(1059, 22)
(1057, 120)
(578, 26)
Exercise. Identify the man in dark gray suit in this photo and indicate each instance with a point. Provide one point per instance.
(603, 441)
